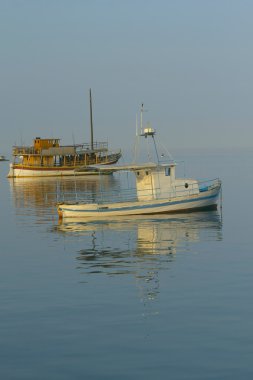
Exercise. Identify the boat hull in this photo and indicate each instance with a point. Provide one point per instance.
(205, 200)
(16, 171)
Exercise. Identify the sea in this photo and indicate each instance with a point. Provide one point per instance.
(154, 297)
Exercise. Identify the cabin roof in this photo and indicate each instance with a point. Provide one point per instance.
(47, 139)
(128, 167)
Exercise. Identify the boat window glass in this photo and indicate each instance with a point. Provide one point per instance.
(138, 173)
(167, 171)
(146, 172)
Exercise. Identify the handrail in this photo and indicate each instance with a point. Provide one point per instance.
(74, 162)
(130, 195)
(79, 148)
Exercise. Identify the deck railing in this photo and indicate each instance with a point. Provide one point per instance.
(80, 148)
(97, 145)
(71, 163)
(23, 150)
(130, 195)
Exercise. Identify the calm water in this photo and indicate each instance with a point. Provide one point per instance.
(150, 298)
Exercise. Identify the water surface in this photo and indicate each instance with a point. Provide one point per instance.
(147, 297)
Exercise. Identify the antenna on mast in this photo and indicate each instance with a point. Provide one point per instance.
(91, 123)
(147, 131)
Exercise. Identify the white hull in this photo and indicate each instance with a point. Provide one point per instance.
(204, 200)
(25, 172)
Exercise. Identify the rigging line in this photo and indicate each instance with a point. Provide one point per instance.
(136, 137)
(136, 148)
(148, 150)
(156, 149)
(166, 150)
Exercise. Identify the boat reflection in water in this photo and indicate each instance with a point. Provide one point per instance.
(155, 234)
(39, 196)
(141, 246)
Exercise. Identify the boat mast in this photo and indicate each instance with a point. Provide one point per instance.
(91, 123)
(148, 132)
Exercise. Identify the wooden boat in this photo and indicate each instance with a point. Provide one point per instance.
(48, 158)
(3, 158)
(157, 191)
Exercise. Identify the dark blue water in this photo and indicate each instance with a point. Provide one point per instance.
(166, 297)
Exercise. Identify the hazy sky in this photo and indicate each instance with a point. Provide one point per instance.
(189, 61)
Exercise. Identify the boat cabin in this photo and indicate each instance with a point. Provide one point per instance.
(40, 144)
(161, 182)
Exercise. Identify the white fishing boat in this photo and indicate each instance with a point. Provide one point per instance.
(157, 190)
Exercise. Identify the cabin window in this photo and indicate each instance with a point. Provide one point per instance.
(138, 173)
(167, 172)
(146, 172)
